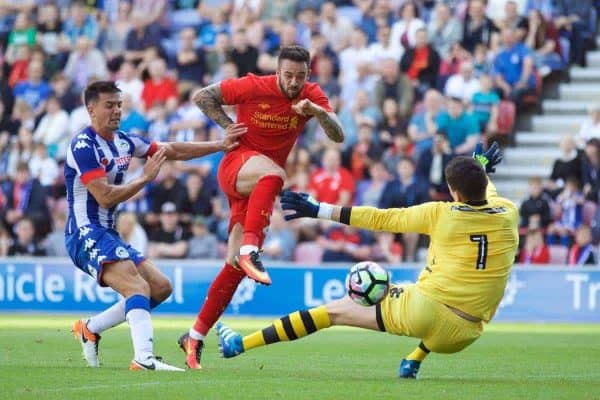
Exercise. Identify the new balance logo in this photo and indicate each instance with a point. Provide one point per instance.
(81, 145)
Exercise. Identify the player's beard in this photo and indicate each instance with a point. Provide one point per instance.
(114, 123)
(289, 92)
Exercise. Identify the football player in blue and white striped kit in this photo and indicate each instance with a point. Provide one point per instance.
(97, 161)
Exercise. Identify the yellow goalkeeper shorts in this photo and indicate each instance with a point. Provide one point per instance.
(406, 311)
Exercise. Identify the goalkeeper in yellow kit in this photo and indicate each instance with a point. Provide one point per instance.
(471, 252)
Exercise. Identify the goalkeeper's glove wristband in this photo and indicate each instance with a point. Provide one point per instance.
(325, 211)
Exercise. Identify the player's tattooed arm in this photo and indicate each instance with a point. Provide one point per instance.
(331, 125)
(210, 101)
(328, 120)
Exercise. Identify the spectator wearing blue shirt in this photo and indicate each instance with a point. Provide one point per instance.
(423, 124)
(280, 240)
(34, 91)
(80, 23)
(406, 190)
(460, 127)
(132, 121)
(218, 24)
(576, 20)
(514, 67)
(485, 105)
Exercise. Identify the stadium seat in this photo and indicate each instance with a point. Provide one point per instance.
(558, 254)
(533, 99)
(308, 253)
(506, 117)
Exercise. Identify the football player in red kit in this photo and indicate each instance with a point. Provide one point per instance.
(273, 109)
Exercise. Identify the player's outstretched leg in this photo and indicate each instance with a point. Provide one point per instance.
(409, 366)
(218, 297)
(230, 342)
(291, 327)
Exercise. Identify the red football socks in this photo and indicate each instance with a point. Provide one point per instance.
(260, 208)
(218, 297)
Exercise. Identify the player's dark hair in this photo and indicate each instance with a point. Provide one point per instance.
(93, 90)
(466, 176)
(295, 53)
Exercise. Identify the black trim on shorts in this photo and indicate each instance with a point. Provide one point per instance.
(345, 215)
(379, 318)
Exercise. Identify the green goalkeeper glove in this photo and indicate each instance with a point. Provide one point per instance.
(489, 159)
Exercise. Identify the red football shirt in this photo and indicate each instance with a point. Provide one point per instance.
(161, 91)
(273, 126)
(327, 187)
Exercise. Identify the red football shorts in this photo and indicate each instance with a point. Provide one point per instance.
(227, 176)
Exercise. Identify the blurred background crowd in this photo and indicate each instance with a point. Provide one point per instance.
(413, 82)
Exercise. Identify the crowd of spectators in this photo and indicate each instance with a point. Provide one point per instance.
(560, 218)
(413, 83)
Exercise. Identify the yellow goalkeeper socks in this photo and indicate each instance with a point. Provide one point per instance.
(419, 353)
(291, 327)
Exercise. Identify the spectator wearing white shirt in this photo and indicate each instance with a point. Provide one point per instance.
(53, 130)
(364, 80)
(590, 127)
(43, 167)
(496, 9)
(464, 84)
(85, 63)
(78, 119)
(404, 30)
(335, 27)
(130, 83)
(187, 120)
(444, 30)
(383, 49)
(352, 56)
(132, 232)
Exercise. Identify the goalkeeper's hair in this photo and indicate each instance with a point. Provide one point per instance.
(295, 53)
(466, 175)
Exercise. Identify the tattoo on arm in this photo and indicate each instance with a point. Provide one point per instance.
(210, 101)
(331, 125)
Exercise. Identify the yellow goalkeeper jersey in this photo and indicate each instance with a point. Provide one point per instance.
(471, 252)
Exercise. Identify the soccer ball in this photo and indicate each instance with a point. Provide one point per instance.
(367, 283)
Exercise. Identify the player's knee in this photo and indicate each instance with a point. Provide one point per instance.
(139, 286)
(162, 290)
(275, 171)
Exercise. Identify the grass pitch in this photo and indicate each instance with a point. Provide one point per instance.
(39, 359)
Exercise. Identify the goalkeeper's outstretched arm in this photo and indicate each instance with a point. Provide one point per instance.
(418, 219)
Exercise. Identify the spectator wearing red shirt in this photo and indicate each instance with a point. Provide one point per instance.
(159, 87)
(535, 250)
(332, 183)
(345, 243)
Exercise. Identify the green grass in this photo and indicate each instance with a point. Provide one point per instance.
(39, 359)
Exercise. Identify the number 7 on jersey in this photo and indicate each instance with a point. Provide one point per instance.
(481, 250)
